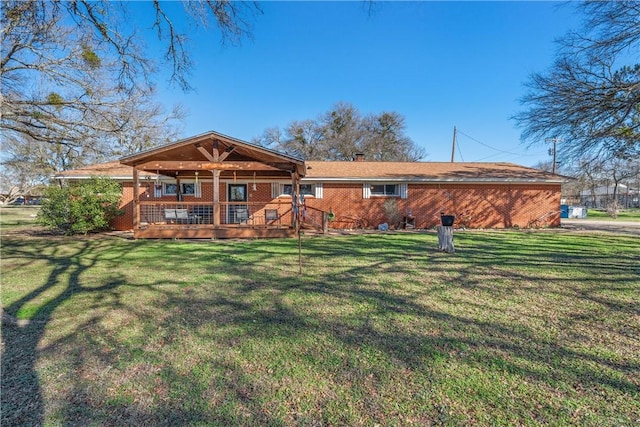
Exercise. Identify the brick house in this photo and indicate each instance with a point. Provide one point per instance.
(212, 185)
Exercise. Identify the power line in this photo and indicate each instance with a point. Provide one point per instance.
(495, 149)
(460, 152)
(487, 145)
(539, 154)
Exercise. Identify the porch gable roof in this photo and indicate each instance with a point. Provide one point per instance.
(199, 152)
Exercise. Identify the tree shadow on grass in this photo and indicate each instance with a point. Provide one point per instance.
(22, 399)
(264, 307)
(88, 346)
(264, 302)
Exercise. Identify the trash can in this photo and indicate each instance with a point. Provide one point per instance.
(447, 220)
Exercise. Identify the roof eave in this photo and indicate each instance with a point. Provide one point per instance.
(427, 180)
(116, 178)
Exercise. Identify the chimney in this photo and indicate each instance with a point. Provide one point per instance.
(359, 157)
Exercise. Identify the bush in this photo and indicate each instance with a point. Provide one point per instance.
(613, 209)
(81, 208)
(392, 213)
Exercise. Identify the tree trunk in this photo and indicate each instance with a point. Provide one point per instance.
(445, 239)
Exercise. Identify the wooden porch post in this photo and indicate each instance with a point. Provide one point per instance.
(136, 198)
(216, 198)
(296, 191)
(295, 195)
(178, 189)
(216, 185)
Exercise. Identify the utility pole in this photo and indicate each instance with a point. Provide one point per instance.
(555, 143)
(453, 148)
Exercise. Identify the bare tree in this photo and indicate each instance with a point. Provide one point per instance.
(16, 182)
(598, 181)
(341, 133)
(619, 171)
(385, 139)
(591, 95)
(67, 66)
(143, 124)
(75, 80)
(590, 172)
(28, 163)
(546, 166)
(301, 138)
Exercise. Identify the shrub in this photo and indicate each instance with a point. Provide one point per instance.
(81, 208)
(392, 213)
(613, 209)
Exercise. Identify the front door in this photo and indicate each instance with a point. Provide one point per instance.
(238, 213)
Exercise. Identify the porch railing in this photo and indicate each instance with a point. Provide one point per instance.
(231, 213)
(315, 218)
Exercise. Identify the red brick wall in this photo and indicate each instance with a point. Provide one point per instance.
(475, 205)
(125, 221)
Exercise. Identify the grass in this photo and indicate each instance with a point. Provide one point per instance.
(15, 217)
(515, 328)
(623, 215)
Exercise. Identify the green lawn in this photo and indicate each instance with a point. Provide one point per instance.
(13, 217)
(623, 215)
(515, 328)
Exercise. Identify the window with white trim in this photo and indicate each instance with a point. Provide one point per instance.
(306, 189)
(404, 190)
(385, 190)
(188, 188)
(169, 188)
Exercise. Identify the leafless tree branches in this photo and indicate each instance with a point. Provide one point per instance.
(76, 82)
(343, 132)
(68, 68)
(591, 95)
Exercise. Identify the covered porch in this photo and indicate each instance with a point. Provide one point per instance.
(196, 220)
(214, 186)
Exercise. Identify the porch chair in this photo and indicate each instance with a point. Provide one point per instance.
(182, 216)
(271, 216)
(170, 215)
(242, 215)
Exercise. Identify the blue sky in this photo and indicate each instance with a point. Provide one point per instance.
(439, 64)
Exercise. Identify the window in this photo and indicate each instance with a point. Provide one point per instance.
(188, 189)
(306, 189)
(170, 189)
(278, 189)
(385, 190)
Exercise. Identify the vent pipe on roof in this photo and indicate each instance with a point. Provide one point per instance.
(359, 157)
